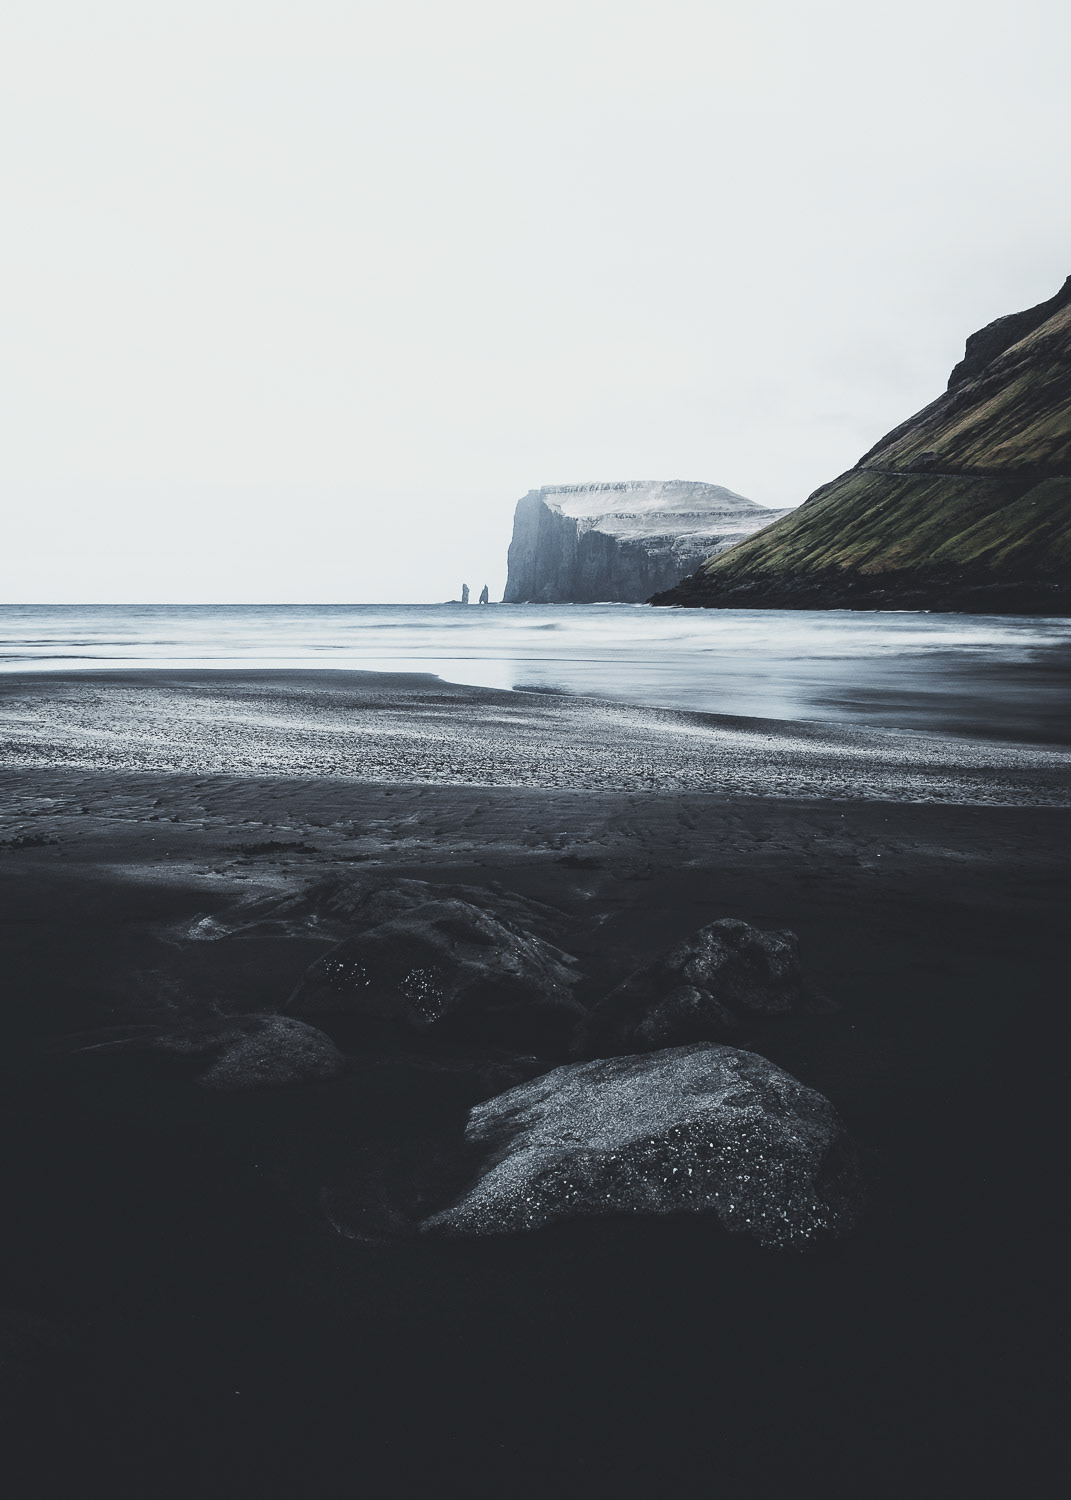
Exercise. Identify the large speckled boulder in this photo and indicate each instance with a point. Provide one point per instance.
(689, 1130)
(450, 964)
(705, 989)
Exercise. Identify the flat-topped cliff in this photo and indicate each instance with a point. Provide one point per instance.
(621, 542)
(965, 506)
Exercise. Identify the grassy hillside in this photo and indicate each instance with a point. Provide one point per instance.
(966, 505)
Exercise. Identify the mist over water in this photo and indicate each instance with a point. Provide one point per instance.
(995, 677)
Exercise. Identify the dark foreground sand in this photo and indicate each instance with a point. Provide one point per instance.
(182, 1316)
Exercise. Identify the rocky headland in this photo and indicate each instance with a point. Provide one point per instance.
(619, 543)
(965, 506)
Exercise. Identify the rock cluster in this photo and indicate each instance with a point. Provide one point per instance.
(461, 1002)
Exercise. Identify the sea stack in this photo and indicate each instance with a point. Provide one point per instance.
(464, 593)
(603, 543)
(965, 506)
(485, 595)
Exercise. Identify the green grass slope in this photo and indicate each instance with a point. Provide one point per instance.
(967, 505)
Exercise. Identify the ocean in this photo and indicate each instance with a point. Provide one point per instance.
(991, 677)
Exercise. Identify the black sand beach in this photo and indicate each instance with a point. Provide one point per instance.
(222, 1293)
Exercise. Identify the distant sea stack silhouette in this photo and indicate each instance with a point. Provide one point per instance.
(595, 543)
(485, 595)
(464, 593)
(966, 506)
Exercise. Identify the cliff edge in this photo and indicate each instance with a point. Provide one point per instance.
(596, 543)
(965, 506)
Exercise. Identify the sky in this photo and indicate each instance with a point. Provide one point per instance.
(297, 299)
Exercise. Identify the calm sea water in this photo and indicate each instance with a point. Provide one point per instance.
(995, 676)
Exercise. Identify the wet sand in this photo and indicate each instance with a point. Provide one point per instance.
(364, 727)
(180, 1316)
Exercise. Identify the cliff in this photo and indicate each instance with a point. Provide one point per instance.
(589, 543)
(965, 506)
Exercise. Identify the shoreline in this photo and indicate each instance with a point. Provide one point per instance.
(409, 729)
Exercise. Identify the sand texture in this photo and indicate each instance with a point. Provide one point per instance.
(216, 1163)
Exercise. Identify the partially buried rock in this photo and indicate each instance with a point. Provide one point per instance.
(347, 901)
(689, 1130)
(248, 1052)
(448, 963)
(703, 990)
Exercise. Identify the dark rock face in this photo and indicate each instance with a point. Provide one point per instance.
(951, 590)
(442, 961)
(965, 506)
(690, 1130)
(992, 340)
(703, 989)
(584, 544)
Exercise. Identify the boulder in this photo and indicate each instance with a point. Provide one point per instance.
(448, 963)
(706, 989)
(278, 1051)
(247, 1052)
(690, 1130)
(342, 902)
(365, 902)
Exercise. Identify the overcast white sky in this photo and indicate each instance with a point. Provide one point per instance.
(297, 298)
